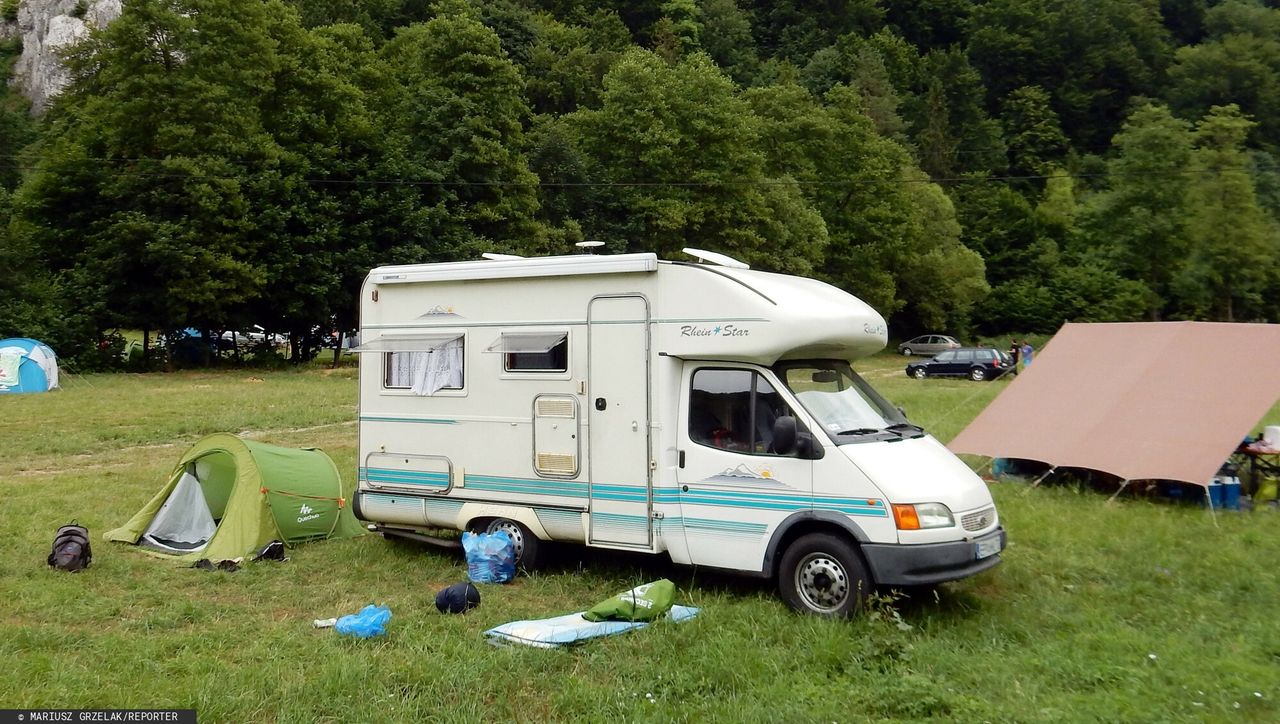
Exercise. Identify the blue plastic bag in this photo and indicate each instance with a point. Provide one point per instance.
(371, 621)
(491, 557)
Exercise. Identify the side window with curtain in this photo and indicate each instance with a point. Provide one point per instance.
(426, 373)
(734, 409)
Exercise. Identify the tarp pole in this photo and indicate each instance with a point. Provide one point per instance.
(1117, 493)
(1040, 479)
(1212, 514)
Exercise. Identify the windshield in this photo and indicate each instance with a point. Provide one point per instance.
(842, 402)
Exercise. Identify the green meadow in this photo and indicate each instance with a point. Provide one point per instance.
(1132, 611)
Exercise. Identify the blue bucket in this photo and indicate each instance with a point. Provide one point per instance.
(1231, 493)
(1213, 494)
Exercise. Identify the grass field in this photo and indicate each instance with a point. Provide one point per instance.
(1135, 611)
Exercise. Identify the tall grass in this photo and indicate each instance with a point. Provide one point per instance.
(1133, 611)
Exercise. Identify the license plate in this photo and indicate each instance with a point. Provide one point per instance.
(988, 546)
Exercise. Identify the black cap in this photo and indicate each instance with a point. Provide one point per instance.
(457, 598)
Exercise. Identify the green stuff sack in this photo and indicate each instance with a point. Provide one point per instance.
(642, 603)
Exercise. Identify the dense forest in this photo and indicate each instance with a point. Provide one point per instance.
(967, 166)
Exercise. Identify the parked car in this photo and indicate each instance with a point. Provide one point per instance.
(928, 344)
(976, 363)
(251, 337)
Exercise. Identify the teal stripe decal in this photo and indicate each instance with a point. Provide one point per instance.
(403, 477)
(634, 493)
(557, 323)
(421, 420)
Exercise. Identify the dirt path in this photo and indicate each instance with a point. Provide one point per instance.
(21, 470)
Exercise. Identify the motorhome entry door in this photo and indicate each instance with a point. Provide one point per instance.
(618, 420)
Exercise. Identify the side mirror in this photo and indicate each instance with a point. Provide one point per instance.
(806, 448)
(784, 435)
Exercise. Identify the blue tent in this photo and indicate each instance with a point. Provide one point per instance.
(27, 366)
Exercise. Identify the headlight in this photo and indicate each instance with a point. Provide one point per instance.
(922, 515)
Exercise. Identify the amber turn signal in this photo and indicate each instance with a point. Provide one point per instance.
(905, 517)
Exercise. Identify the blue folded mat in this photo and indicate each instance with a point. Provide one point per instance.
(550, 633)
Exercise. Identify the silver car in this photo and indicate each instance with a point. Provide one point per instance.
(928, 344)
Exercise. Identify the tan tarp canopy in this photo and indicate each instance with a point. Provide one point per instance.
(1144, 401)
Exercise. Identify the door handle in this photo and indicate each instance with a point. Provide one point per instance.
(635, 426)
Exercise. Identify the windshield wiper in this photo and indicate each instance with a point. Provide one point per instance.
(861, 431)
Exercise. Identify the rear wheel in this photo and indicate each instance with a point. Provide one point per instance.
(528, 548)
(919, 373)
(823, 575)
(977, 374)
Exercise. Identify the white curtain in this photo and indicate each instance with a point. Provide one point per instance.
(442, 368)
(426, 373)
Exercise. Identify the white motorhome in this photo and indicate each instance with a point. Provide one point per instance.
(704, 411)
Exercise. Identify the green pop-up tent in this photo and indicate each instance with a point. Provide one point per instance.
(228, 497)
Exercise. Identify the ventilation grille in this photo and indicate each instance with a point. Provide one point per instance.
(554, 408)
(984, 518)
(556, 464)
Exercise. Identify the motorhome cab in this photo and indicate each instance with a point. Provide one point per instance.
(704, 411)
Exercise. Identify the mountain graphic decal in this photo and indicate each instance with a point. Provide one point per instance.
(440, 311)
(743, 476)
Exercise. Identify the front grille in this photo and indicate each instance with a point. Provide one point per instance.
(979, 520)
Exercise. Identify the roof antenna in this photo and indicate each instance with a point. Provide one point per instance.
(589, 246)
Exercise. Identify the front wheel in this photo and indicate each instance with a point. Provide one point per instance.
(529, 550)
(823, 575)
(920, 373)
(906, 351)
(977, 374)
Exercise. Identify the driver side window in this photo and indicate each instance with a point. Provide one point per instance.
(734, 409)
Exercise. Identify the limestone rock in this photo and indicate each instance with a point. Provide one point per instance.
(46, 26)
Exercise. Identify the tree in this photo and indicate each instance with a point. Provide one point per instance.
(1235, 245)
(1140, 218)
(1239, 63)
(953, 132)
(1035, 138)
(455, 117)
(140, 184)
(1091, 55)
(894, 240)
(567, 63)
(679, 151)
(727, 36)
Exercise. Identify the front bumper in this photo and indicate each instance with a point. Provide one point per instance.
(930, 563)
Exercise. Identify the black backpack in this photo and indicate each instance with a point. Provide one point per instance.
(71, 550)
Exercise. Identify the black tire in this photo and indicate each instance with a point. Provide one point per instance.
(977, 374)
(920, 373)
(529, 550)
(823, 575)
(906, 351)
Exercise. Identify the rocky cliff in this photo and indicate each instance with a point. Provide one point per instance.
(45, 26)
